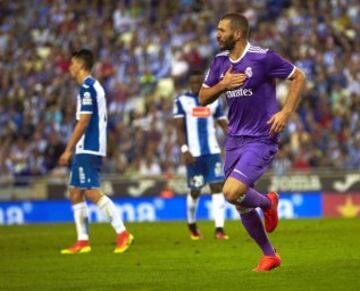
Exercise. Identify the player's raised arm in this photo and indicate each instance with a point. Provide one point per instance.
(296, 85)
(230, 81)
(279, 120)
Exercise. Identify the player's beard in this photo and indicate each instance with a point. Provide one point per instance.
(228, 44)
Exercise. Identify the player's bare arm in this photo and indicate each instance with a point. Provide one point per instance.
(279, 120)
(229, 82)
(79, 130)
(180, 125)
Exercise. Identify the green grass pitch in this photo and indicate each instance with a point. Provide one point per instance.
(317, 255)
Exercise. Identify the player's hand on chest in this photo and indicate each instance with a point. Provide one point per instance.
(253, 71)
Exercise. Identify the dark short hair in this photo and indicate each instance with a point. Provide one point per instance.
(86, 57)
(196, 72)
(238, 21)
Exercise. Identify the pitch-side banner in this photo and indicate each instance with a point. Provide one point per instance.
(297, 182)
(341, 205)
(293, 205)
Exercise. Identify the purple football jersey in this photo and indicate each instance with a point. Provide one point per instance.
(252, 104)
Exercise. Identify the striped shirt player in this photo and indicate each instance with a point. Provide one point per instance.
(91, 100)
(91, 147)
(87, 147)
(200, 138)
(196, 132)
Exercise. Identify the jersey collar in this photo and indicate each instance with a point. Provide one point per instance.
(243, 54)
(189, 93)
(87, 77)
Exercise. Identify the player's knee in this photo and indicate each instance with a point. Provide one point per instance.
(75, 195)
(232, 195)
(195, 194)
(216, 188)
(94, 195)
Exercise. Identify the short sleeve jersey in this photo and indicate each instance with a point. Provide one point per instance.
(91, 100)
(200, 120)
(252, 104)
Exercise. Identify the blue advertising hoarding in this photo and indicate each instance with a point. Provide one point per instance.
(291, 205)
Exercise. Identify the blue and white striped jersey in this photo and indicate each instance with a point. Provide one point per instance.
(91, 100)
(200, 129)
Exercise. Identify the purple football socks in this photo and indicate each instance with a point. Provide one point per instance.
(254, 226)
(255, 199)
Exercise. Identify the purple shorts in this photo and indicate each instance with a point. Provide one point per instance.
(247, 159)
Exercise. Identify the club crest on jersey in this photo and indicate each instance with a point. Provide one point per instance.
(248, 72)
(87, 99)
(201, 112)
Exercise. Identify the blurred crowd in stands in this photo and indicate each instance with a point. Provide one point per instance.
(145, 51)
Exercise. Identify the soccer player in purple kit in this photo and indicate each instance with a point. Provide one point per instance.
(246, 75)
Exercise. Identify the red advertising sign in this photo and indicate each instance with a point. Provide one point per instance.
(341, 205)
